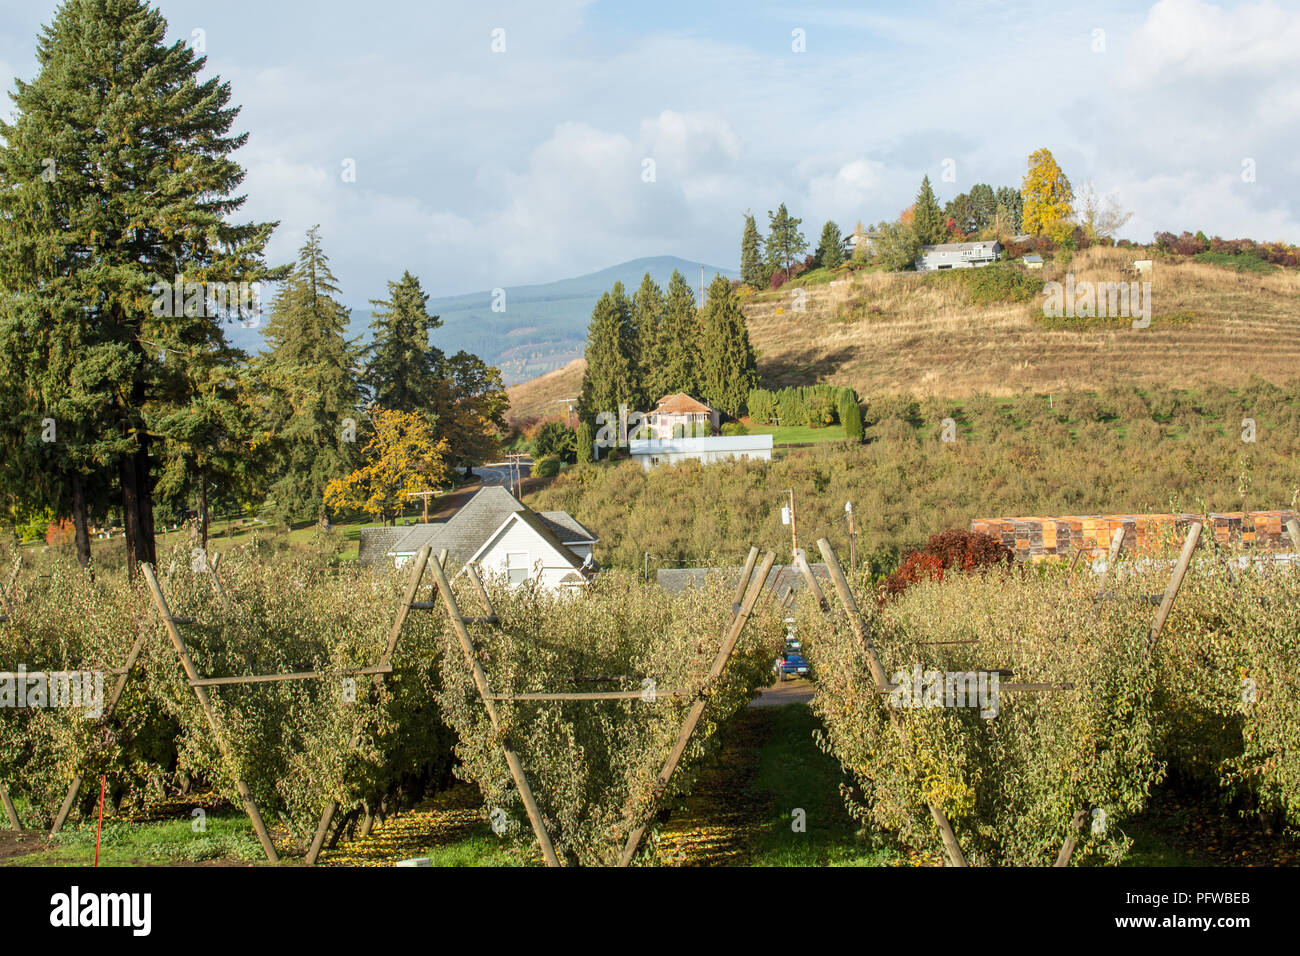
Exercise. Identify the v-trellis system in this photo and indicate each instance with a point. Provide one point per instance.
(850, 608)
(746, 596)
(748, 591)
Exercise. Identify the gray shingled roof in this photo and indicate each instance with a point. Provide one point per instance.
(675, 580)
(478, 519)
(375, 543)
(566, 527)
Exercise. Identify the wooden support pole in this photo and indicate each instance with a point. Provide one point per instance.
(485, 692)
(412, 587)
(15, 824)
(739, 594)
(471, 572)
(178, 643)
(855, 616)
(123, 675)
(1116, 543)
(801, 562)
(738, 622)
(1175, 582)
(1071, 839)
(1293, 529)
(297, 675)
(600, 695)
(946, 832)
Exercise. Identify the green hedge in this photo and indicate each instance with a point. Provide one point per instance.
(813, 405)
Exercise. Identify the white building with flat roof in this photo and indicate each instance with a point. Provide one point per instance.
(670, 451)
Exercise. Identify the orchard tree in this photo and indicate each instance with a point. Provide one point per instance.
(116, 175)
(1048, 197)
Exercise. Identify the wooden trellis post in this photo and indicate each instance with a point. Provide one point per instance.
(878, 675)
(408, 602)
(739, 619)
(1175, 582)
(1116, 543)
(110, 706)
(200, 692)
(489, 702)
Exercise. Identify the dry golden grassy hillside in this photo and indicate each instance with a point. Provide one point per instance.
(892, 333)
(907, 333)
(538, 398)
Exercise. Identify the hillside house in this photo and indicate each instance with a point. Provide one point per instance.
(499, 535)
(670, 451)
(680, 416)
(957, 255)
(1033, 262)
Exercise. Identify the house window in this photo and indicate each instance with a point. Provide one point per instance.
(518, 568)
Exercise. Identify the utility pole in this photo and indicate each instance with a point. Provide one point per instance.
(426, 495)
(853, 536)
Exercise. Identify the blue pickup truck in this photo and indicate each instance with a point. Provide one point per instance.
(792, 663)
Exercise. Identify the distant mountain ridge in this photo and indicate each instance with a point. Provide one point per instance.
(542, 327)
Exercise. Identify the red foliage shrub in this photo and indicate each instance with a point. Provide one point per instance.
(777, 280)
(955, 550)
(61, 534)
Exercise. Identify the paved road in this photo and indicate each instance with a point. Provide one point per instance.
(499, 473)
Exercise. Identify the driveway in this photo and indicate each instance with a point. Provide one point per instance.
(797, 691)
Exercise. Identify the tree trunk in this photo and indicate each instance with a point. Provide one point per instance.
(80, 522)
(137, 507)
(130, 515)
(144, 493)
(203, 511)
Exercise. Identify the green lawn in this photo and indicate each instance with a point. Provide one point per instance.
(798, 434)
(226, 835)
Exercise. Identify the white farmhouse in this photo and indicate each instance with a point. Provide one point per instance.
(499, 535)
(667, 451)
(957, 255)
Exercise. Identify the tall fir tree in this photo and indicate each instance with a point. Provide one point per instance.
(728, 368)
(785, 243)
(610, 378)
(654, 342)
(402, 366)
(927, 217)
(684, 333)
(1009, 215)
(751, 256)
(984, 205)
(116, 179)
(830, 250)
(313, 396)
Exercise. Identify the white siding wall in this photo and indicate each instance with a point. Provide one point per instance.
(703, 457)
(542, 560)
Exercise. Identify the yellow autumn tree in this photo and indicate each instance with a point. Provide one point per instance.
(1048, 197)
(402, 457)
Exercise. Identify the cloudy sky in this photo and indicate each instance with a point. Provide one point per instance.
(478, 168)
